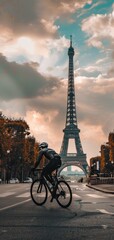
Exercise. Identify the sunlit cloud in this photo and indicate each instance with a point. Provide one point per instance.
(49, 25)
(41, 127)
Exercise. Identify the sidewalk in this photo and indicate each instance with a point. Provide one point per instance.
(106, 188)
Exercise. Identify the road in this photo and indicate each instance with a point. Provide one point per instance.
(90, 216)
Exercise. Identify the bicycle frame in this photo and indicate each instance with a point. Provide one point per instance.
(49, 188)
(57, 192)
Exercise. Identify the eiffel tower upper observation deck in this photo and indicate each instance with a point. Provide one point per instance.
(71, 130)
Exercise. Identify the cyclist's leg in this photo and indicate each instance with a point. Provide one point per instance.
(49, 168)
(47, 172)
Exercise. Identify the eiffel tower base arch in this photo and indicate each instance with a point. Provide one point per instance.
(74, 161)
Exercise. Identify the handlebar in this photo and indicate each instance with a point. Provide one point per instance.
(36, 171)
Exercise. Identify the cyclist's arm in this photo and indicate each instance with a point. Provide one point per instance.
(39, 158)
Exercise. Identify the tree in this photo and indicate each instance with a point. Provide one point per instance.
(18, 150)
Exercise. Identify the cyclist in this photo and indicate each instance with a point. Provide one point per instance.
(54, 160)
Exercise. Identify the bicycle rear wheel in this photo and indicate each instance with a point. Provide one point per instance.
(38, 192)
(63, 194)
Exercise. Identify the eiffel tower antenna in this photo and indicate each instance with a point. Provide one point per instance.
(70, 40)
(71, 130)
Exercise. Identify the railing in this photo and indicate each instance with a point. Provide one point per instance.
(71, 154)
(105, 180)
(101, 180)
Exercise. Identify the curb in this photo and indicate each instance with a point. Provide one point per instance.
(101, 190)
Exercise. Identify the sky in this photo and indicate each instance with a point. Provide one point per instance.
(34, 41)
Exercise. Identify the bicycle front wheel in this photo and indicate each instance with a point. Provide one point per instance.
(38, 192)
(63, 194)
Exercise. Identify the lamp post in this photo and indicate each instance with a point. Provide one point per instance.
(112, 168)
(7, 166)
(22, 171)
(21, 168)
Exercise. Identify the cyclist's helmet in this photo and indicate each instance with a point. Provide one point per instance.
(43, 145)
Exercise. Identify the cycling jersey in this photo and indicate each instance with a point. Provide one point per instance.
(49, 153)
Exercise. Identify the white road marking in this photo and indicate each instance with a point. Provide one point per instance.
(104, 211)
(79, 188)
(6, 194)
(73, 186)
(24, 195)
(14, 205)
(42, 194)
(4, 230)
(95, 196)
(104, 226)
(67, 194)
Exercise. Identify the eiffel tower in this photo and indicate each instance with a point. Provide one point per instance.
(71, 130)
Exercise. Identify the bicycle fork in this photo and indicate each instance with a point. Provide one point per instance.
(53, 194)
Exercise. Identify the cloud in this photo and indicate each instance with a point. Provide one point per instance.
(99, 28)
(47, 54)
(111, 72)
(89, 71)
(49, 26)
(100, 34)
(23, 81)
(95, 101)
(92, 137)
(73, 6)
(43, 127)
(29, 32)
(92, 6)
(94, 69)
(26, 18)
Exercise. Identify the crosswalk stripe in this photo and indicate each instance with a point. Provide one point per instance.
(24, 195)
(6, 194)
(95, 196)
(27, 194)
(14, 205)
(75, 195)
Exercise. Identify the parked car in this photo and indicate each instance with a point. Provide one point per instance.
(14, 180)
(68, 180)
(0, 180)
(28, 180)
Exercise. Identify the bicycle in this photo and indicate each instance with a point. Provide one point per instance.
(61, 191)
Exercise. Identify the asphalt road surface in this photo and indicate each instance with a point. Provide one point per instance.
(90, 216)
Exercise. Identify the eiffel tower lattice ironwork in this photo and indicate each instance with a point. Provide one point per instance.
(71, 130)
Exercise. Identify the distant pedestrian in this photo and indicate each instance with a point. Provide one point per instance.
(81, 180)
